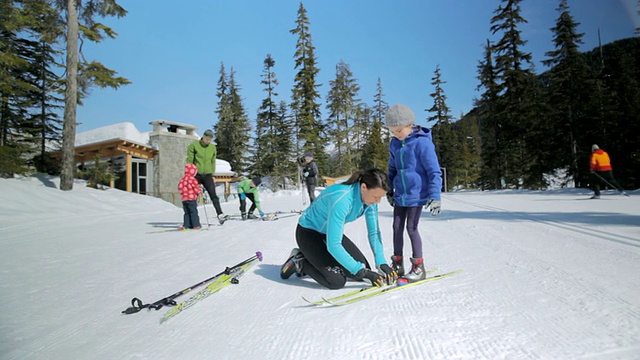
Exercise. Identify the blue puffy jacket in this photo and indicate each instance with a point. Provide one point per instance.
(337, 205)
(414, 171)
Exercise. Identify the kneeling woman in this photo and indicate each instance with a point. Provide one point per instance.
(324, 252)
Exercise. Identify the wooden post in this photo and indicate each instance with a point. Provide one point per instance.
(128, 172)
(112, 182)
(227, 190)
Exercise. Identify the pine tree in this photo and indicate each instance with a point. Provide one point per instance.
(513, 111)
(571, 86)
(375, 151)
(232, 128)
(380, 108)
(341, 102)
(284, 162)
(618, 115)
(27, 31)
(49, 27)
(442, 134)
(90, 73)
(264, 159)
(468, 133)
(304, 106)
(360, 132)
(14, 89)
(490, 131)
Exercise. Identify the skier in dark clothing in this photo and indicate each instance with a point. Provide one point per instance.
(310, 172)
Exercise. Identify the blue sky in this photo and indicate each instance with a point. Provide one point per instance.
(172, 51)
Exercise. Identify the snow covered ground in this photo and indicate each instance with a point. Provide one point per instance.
(547, 275)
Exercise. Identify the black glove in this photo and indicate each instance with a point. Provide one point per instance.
(375, 278)
(390, 198)
(390, 275)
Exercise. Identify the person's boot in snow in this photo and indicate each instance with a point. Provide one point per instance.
(417, 270)
(396, 265)
(222, 218)
(293, 265)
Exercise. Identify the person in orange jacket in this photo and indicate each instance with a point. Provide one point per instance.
(600, 167)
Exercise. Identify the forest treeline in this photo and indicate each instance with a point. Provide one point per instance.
(524, 125)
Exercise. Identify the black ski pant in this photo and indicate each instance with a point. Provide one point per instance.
(207, 181)
(191, 219)
(319, 264)
(311, 189)
(608, 177)
(243, 204)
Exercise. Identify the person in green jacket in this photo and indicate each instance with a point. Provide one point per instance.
(248, 188)
(202, 154)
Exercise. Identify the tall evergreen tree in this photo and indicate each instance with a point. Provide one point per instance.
(284, 162)
(514, 114)
(443, 136)
(304, 106)
(49, 28)
(468, 133)
(232, 129)
(571, 87)
(264, 159)
(618, 126)
(375, 150)
(14, 88)
(380, 108)
(93, 73)
(27, 31)
(341, 102)
(360, 132)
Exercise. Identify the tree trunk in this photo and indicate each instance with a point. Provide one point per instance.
(71, 99)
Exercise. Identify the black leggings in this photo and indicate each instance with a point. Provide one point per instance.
(604, 177)
(207, 181)
(319, 264)
(243, 203)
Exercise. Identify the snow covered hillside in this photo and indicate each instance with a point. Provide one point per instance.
(547, 275)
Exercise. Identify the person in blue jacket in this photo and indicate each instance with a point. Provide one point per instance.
(324, 252)
(416, 180)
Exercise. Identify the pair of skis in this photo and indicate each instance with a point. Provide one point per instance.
(369, 292)
(214, 284)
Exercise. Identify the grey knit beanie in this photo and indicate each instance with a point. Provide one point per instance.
(399, 115)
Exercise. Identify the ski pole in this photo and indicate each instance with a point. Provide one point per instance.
(137, 305)
(610, 184)
(204, 206)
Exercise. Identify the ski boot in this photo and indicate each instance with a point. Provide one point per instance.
(417, 270)
(293, 265)
(244, 216)
(396, 265)
(251, 216)
(222, 218)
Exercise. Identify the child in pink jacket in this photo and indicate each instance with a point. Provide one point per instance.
(189, 189)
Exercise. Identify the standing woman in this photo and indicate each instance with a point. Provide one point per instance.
(325, 253)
